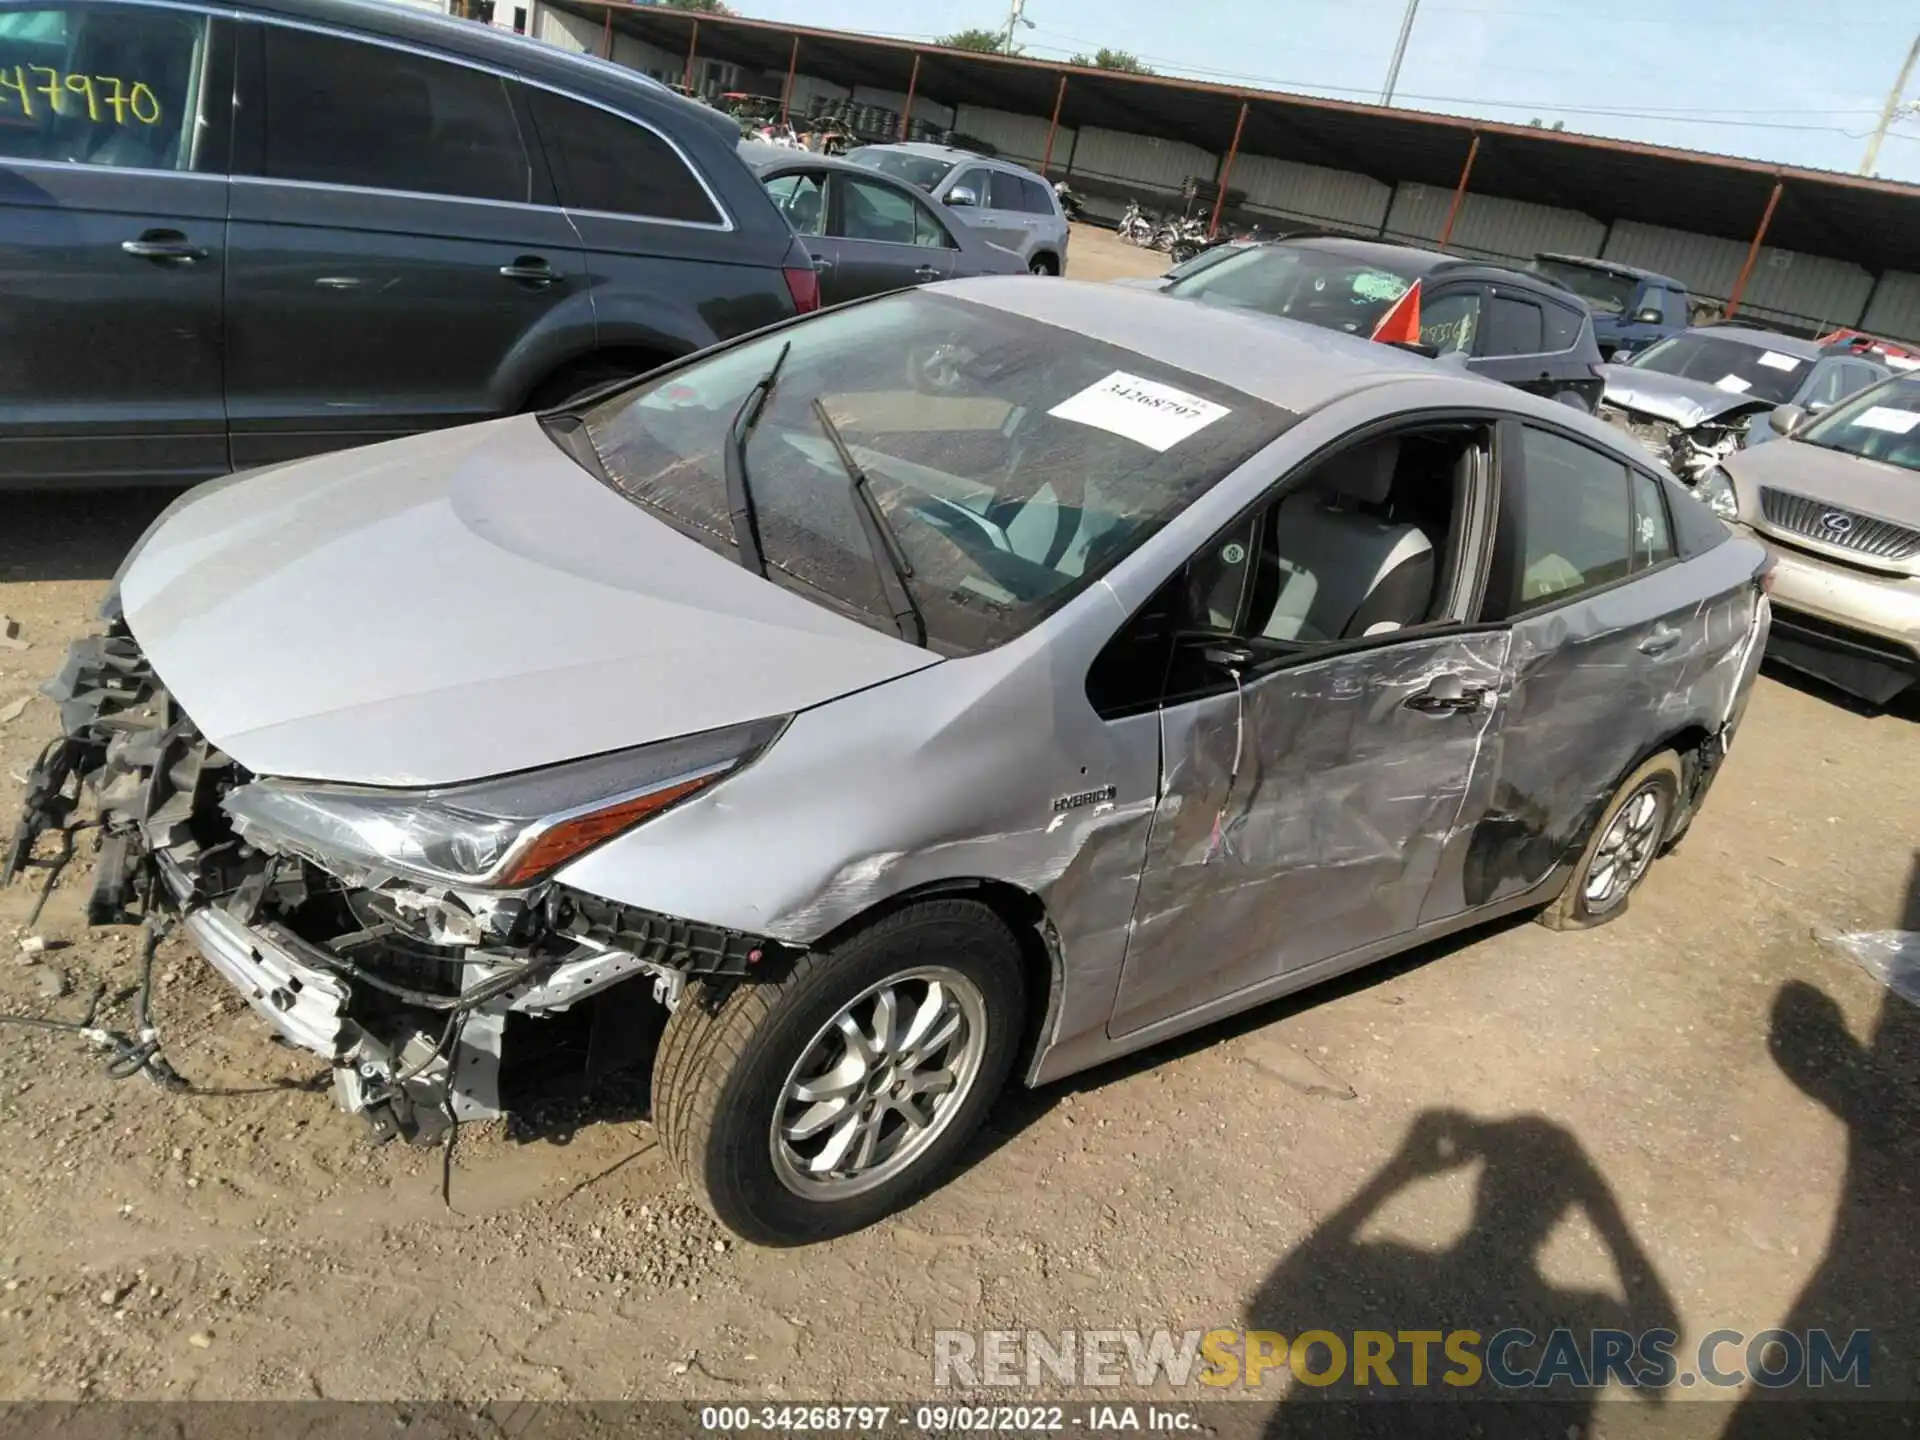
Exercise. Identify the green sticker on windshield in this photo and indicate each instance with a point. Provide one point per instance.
(1377, 286)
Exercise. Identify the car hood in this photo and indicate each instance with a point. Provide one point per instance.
(1670, 397)
(1871, 487)
(461, 604)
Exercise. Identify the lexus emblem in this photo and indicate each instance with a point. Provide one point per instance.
(1836, 522)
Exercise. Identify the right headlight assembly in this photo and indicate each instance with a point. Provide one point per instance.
(506, 833)
(1716, 489)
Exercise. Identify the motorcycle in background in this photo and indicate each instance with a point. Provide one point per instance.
(1071, 205)
(1134, 227)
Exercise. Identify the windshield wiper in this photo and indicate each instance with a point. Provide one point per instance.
(746, 522)
(888, 558)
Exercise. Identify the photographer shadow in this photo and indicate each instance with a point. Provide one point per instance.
(1533, 1175)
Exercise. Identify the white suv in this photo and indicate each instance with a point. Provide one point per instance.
(1008, 204)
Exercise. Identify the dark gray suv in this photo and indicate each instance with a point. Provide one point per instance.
(238, 234)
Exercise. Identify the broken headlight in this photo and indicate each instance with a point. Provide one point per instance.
(504, 833)
(1716, 489)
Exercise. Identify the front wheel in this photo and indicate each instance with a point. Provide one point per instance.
(811, 1106)
(1621, 849)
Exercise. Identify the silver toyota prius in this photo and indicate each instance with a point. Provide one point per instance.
(973, 683)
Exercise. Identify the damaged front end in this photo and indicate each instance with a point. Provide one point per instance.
(436, 997)
(1688, 451)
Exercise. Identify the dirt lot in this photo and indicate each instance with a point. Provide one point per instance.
(1695, 1116)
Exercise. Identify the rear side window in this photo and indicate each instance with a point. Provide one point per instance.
(1039, 198)
(1514, 327)
(1563, 327)
(1568, 530)
(604, 162)
(112, 85)
(343, 112)
(1652, 530)
(1006, 191)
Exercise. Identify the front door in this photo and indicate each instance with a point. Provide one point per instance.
(113, 203)
(385, 259)
(1323, 720)
(884, 238)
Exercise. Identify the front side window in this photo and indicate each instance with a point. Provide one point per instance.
(608, 163)
(873, 211)
(1570, 529)
(801, 199)
(1745, 369)
(1014, 461)
(1827, 384)
(1514, 327)
(1879, 423)
(1450, 320)
(112, 85)
(1315, 286)
(345, 112)
(976, 181)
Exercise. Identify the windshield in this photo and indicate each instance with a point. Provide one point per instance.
(1320, 288)
(1014, 461)
(1606, 293)
(1734, 365)
(921, 170)
(1881, 423)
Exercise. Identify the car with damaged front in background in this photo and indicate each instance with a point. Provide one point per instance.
(960, 687)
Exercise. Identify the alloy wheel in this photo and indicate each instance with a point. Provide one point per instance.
(1627, 848)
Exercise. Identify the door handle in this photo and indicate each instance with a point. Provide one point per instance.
(1445, 695)
(164, 247)
(1659, 641)
(821, 262)
(531, 270)
(926, 272)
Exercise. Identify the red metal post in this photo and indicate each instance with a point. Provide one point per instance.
(606, 36)
(693, 41)
(786, 95)
(1459, 192)
(1753, 251)
(906, 112)
(1053, 126)
(1226, 172)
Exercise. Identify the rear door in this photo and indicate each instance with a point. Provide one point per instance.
(114, 138)
(393, 214)
(885, 238)
(1608, 634)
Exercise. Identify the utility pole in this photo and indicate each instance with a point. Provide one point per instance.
(1399, 52)
(1015, 16)
(1891, 108)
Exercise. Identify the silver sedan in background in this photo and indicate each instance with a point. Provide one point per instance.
(971, 684)
(869, 232)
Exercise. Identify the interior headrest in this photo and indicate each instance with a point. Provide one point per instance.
(1363, 473)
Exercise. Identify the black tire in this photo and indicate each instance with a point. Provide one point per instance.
(728, 1053)
(1043, 265)
(572, 381)
(1575, 909)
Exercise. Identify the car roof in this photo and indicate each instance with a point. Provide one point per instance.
(586, 75)
(1613, 267)
(948, 152)
(1415, 262)
(1762, 339)
(762, 157)
(1295, 366)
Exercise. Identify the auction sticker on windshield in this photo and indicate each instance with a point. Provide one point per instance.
(1885, 417)
(1735, 383)
(1156, 416)
(1774, 360)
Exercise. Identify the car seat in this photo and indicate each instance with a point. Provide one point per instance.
(1337, 572)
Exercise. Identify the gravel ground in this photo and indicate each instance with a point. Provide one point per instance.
(1698, 1115)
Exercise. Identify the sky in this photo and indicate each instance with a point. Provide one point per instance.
(1797, 82)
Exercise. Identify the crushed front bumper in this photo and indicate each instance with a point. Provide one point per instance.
(414, 995)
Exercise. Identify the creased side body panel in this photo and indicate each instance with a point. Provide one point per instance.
(1326, 840)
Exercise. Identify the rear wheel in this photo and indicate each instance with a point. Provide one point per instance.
(576, 379)
(815, 1105)
(1043, 265)
(1621, 849)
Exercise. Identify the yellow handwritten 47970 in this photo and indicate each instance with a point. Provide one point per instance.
(107, 99)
